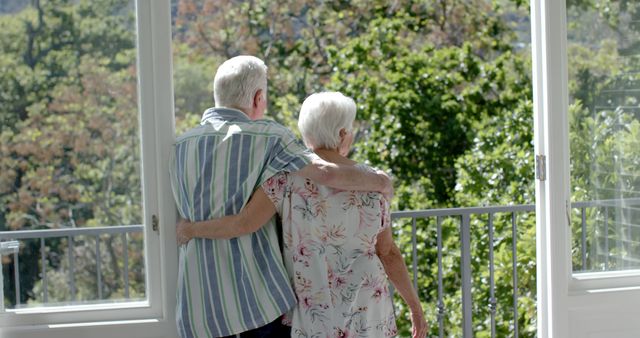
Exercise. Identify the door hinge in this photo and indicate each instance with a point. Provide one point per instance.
(541, 167)
(154, 223)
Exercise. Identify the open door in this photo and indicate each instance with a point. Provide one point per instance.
(586, 73)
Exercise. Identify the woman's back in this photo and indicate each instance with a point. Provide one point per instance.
(330, 253)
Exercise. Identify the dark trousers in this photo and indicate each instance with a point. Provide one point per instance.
(275, 329)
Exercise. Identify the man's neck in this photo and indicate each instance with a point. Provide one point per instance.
(243, 110)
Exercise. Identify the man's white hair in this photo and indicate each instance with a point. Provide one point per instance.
(237, 80)
(322, 116)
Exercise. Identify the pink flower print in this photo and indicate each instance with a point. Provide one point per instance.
(310, 187)
(377, 285)
(286, 320)
(281, 180)
(274, 187)
(339, 282)
(352, 201)
(306, 302)
(302, 284)
(320, 208)
(302, 255)
(369, 245)
(341, 333)
(333, 233)
(330, 273)
(303, 249)
(378, 292)
(288, 238)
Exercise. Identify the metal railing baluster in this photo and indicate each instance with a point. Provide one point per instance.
(515, 274)
(45, 290)
(620, 238)
(465, 267)
(440, 291)
(584, 239)
(72, 268)
(98, 267)
(492, 295)
(414, 262)
(125, 273)
(626, 218)
(16, 276)
(606, 238)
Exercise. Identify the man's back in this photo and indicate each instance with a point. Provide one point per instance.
(230, 286)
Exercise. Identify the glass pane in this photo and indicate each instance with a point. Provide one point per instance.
(70, 189)
(604, 89)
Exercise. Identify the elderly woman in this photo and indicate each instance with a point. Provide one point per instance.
(338, 246)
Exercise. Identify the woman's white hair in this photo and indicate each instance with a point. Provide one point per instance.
(237, 80)
(322, 116)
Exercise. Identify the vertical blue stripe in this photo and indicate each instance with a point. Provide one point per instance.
(201, 146)
(245, 156)
(178, 174)
(244, 285)
(243, 173)
(211, 278)
(181, 168)
(274, 149)
(186, 318)
(270, 280)
(231, 208)
(273, 266)
(202, 191)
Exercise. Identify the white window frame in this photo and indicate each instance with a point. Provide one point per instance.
(558, 287)
(154, 317)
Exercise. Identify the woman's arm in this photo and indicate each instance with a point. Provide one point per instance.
(398, 274)
(254, 215)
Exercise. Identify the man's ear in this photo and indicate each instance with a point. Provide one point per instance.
(256, 98)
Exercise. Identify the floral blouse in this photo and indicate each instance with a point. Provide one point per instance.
(330, 256)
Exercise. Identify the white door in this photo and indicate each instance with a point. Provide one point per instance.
(586, 64)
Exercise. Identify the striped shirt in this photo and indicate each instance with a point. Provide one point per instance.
(230, 286)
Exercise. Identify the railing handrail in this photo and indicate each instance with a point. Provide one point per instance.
(504, 208)
(462, 211)
(64, 232)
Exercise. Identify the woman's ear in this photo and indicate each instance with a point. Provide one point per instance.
(342, 133)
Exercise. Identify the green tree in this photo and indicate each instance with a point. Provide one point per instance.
(70, 144)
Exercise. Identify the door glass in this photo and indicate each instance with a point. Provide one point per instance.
(70, 182)
(604, 108)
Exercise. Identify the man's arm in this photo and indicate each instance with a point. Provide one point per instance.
(347, 177)
(254, 215)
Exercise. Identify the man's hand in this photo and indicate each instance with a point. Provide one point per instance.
(183, 231)
(387, 191)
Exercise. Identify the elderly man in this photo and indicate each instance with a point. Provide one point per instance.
(239, 285)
